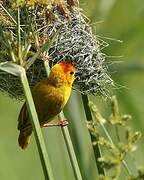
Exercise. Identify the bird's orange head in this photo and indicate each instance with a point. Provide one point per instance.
(63, 73)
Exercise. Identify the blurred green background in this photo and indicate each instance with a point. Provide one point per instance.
(118, 19)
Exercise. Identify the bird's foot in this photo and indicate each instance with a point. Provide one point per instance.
(62, 122)
(59, 123)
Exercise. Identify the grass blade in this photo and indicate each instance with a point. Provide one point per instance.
(36, 128)
(97, 150)
(70, 149)
(9, 15)
(19, 37)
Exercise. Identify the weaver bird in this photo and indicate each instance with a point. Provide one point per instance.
(50, 96)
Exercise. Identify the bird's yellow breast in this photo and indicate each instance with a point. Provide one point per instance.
(67, 92)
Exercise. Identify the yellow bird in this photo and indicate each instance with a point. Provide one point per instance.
(50, 96)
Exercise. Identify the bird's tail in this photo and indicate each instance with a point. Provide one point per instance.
(24, 138)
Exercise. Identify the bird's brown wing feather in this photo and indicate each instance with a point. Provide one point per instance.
(52, 108)
(48, 101)
(23, 119)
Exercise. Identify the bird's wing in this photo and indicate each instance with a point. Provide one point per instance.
(48, 105)
(49, 101)
(23, 119)
(52, 108)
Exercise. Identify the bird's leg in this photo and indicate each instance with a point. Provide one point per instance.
(63, 122)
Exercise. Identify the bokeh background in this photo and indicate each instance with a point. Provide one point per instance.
(112, 20)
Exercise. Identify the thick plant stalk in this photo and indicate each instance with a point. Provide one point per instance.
(97, 150)
(67, 139)
(17, 70)
(36, 128)
(70, 149)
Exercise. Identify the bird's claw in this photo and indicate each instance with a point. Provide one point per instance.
(61, 123)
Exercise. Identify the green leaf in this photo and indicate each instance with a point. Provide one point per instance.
(36, 128)
(12, 68)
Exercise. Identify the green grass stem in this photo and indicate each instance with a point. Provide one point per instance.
(109, 137)
(19, 37)
(70, 149)
(111, 141)
(36, 128)
(97, 149)
(10, 16)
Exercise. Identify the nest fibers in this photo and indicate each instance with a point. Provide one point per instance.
(76, 43)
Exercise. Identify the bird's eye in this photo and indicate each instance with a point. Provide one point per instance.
(71, 73)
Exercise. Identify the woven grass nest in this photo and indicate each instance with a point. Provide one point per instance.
(75, 42)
